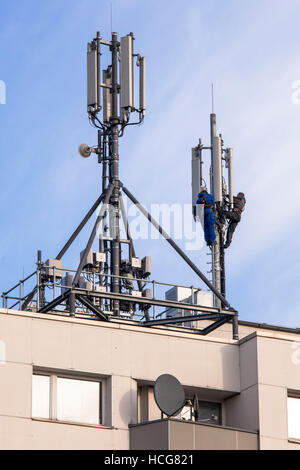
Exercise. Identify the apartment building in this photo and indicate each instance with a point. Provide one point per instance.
(72, 383)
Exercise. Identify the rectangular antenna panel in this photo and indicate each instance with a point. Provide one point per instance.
(92, 76)
(136, 263)
(217, 169)
(143, 84)
(89, 260)
(107, 103)
(147, 266)
(136, 293)
(100, 258)
(126, 72)
(102, 289)
(196, 175)
(230, 175)
(55, 266)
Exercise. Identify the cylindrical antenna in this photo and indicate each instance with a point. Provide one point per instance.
(196, 174)
(213, 126)
(39, 287)
(126, 72)
(107, 80)
(217, 169)
(230, 175)
(142, 63)
(98, 70)
(93, 91)
(114, 75)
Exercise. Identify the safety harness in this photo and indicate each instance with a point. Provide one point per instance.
(207, 204)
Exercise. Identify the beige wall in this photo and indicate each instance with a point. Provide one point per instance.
(242, 411)
(124, 353)
(270, 368)
(278, 372)
(251, 377)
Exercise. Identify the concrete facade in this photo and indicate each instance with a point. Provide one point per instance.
(172, 434)
(251, 378)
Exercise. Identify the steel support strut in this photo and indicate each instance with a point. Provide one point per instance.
(93, 234)
(55, 302)
(187, 319)
(80, 227)
(89, 305)
(29, 299)
(176, 247)
(160, 303)
(214, 326)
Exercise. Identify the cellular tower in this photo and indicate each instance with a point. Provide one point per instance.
(221, 182)
(111, 282)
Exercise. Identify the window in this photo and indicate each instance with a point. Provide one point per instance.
(208, 413)
(68, 399)
(78, 401)
(41, 396)
(294, 416)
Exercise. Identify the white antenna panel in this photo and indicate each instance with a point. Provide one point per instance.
(217, 169)
(107, 104)
(143, 84)
(196, 175)
(126, 72)
(92, 80)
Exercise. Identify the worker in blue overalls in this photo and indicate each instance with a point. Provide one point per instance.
(209, 216)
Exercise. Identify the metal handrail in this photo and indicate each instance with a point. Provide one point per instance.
(17, 285)
(58, 283)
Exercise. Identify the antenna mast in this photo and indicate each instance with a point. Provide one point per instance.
(118, 105)
(218, 189)
(105, 282)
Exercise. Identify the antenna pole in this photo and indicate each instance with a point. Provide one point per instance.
(216, 268)
(115, 202)
(213, 127)
(111, 17)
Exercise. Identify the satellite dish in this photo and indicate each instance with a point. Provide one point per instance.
(84, 150)
(169, 395)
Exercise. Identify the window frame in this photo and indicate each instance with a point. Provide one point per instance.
(146, 404)
(292, 394)
(219, 404)
(54, 375)
(48, 397)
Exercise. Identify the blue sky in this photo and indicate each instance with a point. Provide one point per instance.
(249, 50)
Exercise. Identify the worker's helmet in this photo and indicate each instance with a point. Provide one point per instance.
(203, 189)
